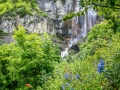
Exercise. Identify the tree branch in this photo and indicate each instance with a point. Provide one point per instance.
(105, 6)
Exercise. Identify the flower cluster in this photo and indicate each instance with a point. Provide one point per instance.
(69, 77)
(64, 86)
(101, 66)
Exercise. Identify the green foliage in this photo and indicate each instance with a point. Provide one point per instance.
(28, 61)
(71, 15)
(118, 29)
(21, 7)
(78, 75)
(98, 37)
(109, 9)
(102, 42)
(111, 53)
(82, 72)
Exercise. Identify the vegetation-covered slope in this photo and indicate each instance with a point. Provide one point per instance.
(33, 62)
(96, 67)
(20, 7)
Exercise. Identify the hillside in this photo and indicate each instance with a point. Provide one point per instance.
(59, 45)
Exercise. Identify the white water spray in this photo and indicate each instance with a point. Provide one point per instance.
(64, 54)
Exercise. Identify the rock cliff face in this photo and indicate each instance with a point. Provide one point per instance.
(56, 9)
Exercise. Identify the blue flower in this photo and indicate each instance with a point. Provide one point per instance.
(101, 66)
(101, 61)
(77, 76)
(66, 76)
(62, 87)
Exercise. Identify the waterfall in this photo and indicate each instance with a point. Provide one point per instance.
(77, 9)
(80, 26)
(91, 15)
(64, 53)
(68, 5)
(60, 31)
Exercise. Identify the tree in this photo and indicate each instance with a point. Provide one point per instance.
(28, 61)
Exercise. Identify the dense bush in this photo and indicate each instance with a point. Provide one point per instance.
(111, 54)
(30, 60)
(80, 75)
(103, 42)
(87, 72)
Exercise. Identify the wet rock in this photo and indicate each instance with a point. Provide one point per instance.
(75, 48)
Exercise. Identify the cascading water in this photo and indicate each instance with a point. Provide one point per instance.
(68, 5)
(64, 54)
(80, 25)
(60, 31)
(92, 17)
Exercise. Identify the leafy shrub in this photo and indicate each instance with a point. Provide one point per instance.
(103, 42)
(30, 60)
(111, 54)
(75, 76)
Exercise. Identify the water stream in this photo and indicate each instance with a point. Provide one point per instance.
(80, 26)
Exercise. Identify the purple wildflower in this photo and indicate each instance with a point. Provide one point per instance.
(66, 75)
